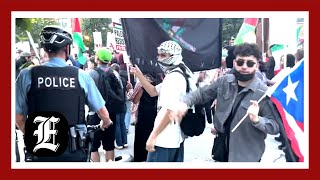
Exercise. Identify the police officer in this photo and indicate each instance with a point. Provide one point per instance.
(23, 58)
(55, 86)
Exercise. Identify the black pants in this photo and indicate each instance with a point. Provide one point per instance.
(140, 138)
(17, 149)
(209, 114)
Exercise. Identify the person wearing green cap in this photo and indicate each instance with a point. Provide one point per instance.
(104, 56)
(107, 83)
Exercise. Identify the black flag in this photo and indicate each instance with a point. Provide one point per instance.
(200, 39)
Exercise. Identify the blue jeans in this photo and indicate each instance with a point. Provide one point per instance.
(128, 115)
(166, 154)
(121, 134)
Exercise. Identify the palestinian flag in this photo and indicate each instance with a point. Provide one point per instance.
(277, 51)
(247, 31)
(276, 48)
(77, 39)
(117, 26)
(300, 33)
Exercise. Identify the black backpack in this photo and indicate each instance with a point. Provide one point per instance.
(111, 91)
(193, 123)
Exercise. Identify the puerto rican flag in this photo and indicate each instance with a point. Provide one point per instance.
(288, 96)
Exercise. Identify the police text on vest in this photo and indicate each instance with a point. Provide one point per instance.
(56, 82)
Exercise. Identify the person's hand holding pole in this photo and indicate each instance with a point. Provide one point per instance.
(136, 71)
(253, 111)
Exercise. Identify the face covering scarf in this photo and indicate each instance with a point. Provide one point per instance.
(243, 77)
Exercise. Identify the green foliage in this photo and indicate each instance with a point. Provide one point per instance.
(23, 24)
(33, 25)
(230, 27)
(90, 25)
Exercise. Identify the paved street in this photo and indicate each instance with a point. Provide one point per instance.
(197, 149)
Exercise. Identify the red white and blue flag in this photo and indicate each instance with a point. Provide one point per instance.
(288, 96)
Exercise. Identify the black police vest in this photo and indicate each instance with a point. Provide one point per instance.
(57, 89)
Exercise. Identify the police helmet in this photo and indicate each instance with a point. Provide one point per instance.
(54, 38)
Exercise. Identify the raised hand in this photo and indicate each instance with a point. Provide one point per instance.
(135, 70)
(253, 111)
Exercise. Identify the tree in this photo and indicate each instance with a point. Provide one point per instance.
(22, 24)
(230, 28)
(90, 25)
(34, 26)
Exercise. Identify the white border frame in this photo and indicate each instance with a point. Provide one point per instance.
(161, 14)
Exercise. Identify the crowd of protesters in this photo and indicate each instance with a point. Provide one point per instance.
(149, 98)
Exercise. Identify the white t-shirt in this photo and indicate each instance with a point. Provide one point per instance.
(170, 91)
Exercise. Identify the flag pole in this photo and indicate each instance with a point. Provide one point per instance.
(33, 45)
(246, 115)
(128, 72)
(262, 39)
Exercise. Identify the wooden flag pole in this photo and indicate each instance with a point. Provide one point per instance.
(33, 46)
(245, 116)
(262, 39)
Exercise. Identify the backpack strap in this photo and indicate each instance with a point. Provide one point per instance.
(100, 71)
(184, 75)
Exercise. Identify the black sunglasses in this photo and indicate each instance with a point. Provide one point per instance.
(249, 63)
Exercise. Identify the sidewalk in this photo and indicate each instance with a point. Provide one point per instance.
(197, 149)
